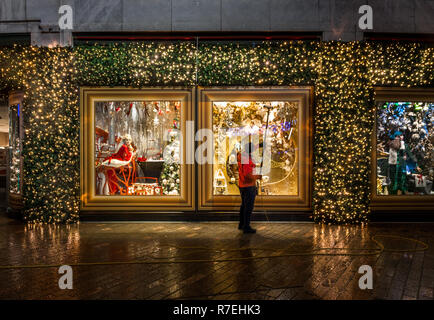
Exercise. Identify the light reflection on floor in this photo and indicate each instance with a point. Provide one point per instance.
(396, 275)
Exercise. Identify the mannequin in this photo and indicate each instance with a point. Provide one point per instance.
(107, 178)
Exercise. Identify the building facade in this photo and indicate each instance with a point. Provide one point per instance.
(112, 127)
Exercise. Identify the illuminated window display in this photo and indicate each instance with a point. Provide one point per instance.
(137, 148)
(235, 121)
(240, 115)
(15, 179)
(405, 148)
(133, 158)
(132, 146)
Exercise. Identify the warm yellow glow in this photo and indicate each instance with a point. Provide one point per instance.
(343, 75)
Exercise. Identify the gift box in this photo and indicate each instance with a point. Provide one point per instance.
(147, 188)
(419, 181)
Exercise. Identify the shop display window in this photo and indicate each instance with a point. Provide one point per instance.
(137, 147)
(132, 149)
(275, 121)
(405, 148)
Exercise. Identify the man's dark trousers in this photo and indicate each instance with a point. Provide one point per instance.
(248, 195)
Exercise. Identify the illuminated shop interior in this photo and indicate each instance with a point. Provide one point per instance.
(137, 148)
(405, 148)
(237, 122)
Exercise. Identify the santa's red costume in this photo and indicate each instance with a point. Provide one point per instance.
(108, 183)
(123, 154)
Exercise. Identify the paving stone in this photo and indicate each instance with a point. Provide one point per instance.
(240, 272)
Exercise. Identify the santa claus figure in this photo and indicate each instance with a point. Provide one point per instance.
(107, 180)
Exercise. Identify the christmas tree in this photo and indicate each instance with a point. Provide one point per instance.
(170, 174)
(170, 179)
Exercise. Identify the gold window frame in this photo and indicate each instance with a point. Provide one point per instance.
(397, 202)
(304, 95)
(91, 202)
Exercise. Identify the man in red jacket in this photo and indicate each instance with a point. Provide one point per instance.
(247, 186)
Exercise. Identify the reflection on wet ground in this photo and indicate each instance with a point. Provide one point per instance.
(214, 261)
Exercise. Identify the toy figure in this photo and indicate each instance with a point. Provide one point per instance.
(399, 158)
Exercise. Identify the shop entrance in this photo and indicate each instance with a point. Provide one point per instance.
(4, 143)
(13, 152)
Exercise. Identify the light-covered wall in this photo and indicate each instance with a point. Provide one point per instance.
(336, 19)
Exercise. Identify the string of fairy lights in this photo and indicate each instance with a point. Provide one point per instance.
(343, 75)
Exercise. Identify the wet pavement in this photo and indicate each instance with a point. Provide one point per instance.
(215, 261)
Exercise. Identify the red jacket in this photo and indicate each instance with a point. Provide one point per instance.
(245, 171)
(123, 154)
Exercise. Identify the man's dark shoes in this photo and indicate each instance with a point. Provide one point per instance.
(249, 230)
(240, 226)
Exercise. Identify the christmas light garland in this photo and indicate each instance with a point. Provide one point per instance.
(343, 75)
